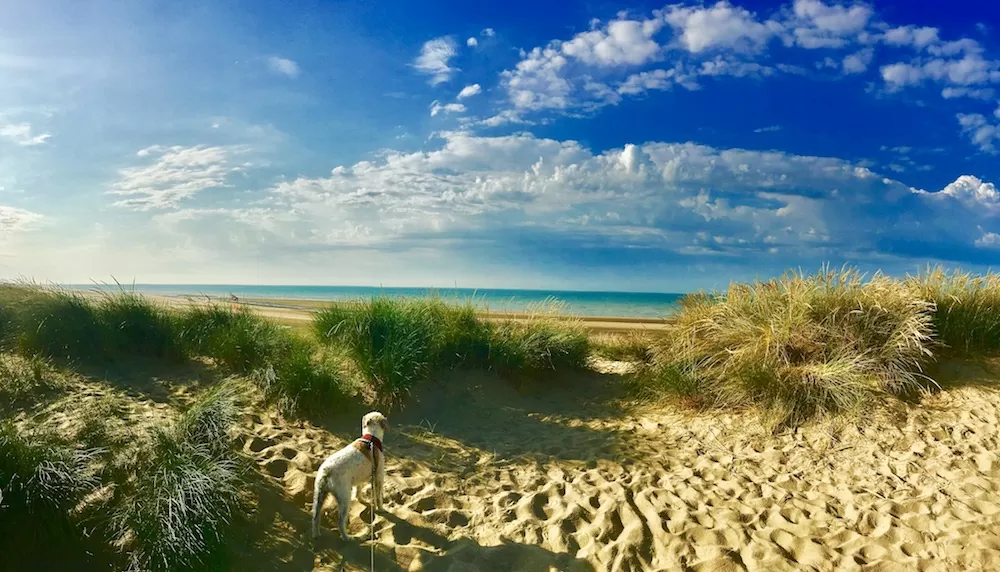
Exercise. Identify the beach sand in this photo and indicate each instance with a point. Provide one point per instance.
(566, 474)
(298, 313)
(484, 476)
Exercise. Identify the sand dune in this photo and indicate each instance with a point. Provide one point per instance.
(483, 476)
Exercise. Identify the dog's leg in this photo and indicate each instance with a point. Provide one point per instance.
(319, 496)
(343, 496)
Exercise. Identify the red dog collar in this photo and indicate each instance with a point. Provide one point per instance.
(374, 440)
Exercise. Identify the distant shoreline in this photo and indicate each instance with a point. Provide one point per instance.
(631, 307)
(298, 311)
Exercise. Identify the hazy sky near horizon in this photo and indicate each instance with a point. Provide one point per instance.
(574, 144)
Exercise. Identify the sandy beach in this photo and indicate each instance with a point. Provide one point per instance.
(298, 312)
(485, 477)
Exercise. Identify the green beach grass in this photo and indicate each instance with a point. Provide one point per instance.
(801, 346)
(399, 343)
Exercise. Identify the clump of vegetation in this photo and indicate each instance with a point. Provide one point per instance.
(631, 346)
(538, 344)
(42, 479)
(798, 346)
(72, 327)
(391, 341)
(306, 381)
(59, 325)
(967, 310)
(398, 343)
(183, 489)
(238, 340)
(133, 325)
(21, 378)
(285, 366)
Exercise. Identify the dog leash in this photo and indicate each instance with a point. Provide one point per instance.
(371, 444)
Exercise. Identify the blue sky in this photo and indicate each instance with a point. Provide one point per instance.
(583, 145)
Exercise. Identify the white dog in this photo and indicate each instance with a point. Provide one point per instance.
(351, 467)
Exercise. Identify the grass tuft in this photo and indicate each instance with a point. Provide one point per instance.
(184, 490)
(24, 378)
(967, 310)
(398, 343)
(632, 347)
(42, 479)
(799, 346)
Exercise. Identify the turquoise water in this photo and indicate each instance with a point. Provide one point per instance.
(622, 304)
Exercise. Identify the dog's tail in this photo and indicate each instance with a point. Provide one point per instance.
(319, 496)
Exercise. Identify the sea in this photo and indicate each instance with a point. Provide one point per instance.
(598, 304)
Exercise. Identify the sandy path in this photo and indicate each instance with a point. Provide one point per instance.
(484, 477)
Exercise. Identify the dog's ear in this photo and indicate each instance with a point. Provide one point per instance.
(384, 423)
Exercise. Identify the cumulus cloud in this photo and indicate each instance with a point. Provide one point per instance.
(23, 134)
(722, 26)
(434, 57)
(472, 42)
(911, 36)
(816, 24)
(858, 62)
(668, 200)
(469, 91)
(178, 173)
(283, 66)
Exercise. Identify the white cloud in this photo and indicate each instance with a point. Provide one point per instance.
(621, 42)
(488, 32)
(470, 90)
(985, 93)
(912, 36)
(437, 107)
(768, 129)
(472, 42)
(858, 62)
(973, 193)
(283, 66)
(900, 74)
(483, 198)
(980, 130)
(434, 57)
(819, 25)
(721, 26)
(178, 173)
(645, 81)
(15, 220)
(22, 134)
(989, 240)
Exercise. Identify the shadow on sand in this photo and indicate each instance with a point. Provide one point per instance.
(276, 537)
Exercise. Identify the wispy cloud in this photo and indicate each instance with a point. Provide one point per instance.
(434, 57)
(768, 129)
(437, 107)
(14, 220)
(23, 134)
(177, 173)
(283, 66)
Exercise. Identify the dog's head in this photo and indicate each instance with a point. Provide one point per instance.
(375, 424)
